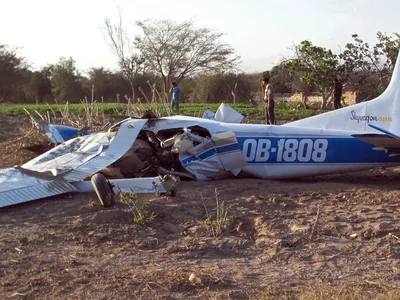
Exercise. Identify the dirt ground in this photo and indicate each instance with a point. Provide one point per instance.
(333, 237)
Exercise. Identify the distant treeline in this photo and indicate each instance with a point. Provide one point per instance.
(204, 67)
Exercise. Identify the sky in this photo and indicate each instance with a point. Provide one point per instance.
(261, 31)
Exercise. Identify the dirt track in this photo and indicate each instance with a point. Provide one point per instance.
(71, 247)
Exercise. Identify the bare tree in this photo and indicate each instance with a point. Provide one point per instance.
(130, 62)
(178, 50)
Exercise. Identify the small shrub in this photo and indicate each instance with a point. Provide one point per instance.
(139, 208)
(219, 222)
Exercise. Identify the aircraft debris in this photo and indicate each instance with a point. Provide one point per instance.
(213, 147)
(225, 114)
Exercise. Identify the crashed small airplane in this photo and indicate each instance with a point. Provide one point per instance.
(151, 154)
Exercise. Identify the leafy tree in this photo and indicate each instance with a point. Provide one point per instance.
(390, 47)
(216, 88)
(107, 85)
(39, 86)
(33, 87)
(282, 81)
(101, 80)
(285, 82)
(11, 72)
(368, 68)
(315, 67)
(176, 51)
(64, 80)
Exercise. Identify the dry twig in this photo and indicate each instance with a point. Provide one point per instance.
(315, 225)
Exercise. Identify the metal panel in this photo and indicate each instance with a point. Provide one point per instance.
(34, 192)
(227, 114)
(122, 142)
(85, 156)
(137, 185)
(214, 157)
(72, 154)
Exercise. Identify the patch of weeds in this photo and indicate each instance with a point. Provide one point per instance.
(346, 292)
(92, 203)
(139, 208)
(28, 239)
(275, 293)
(33, 237)
(216, 224)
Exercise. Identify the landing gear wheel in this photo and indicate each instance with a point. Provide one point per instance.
(103, 190)
(170, 184)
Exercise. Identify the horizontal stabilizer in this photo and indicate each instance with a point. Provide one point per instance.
(384, 131)
(387, 140)
(379, 140)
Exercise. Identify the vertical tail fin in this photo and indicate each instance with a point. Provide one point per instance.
(383, 111)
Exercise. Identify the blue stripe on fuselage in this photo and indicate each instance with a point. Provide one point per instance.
(339, 150)
(211, 152)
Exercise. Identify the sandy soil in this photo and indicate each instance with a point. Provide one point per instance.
(275, 244)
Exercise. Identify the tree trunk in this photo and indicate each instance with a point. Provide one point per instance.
(132, 83)
(324, 101)
(235, 93)
(167, 94)
(233, 97)
(330, 100)
(304, 99)
(133, 95)
(325, 98)
(153, 93)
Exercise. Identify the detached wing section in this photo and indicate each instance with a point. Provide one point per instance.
(53, 172)
(387, 141)
(18, 186)
(84, 156)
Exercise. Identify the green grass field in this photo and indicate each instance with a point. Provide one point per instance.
(283, 110)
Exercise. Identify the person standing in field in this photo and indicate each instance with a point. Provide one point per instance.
(234, 93)
(337, 94)
(175, 90)
(269, 102)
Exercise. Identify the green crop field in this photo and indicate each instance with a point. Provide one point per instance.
(287, 111)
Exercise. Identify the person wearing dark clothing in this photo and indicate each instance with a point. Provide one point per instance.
(176, 91)
(337, 93)
(269, 102)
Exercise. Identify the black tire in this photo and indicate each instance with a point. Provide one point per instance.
(103, 190)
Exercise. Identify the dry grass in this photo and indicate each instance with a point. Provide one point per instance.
(218, 223)
(325, 291)
(94, 116)
(348, 292)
